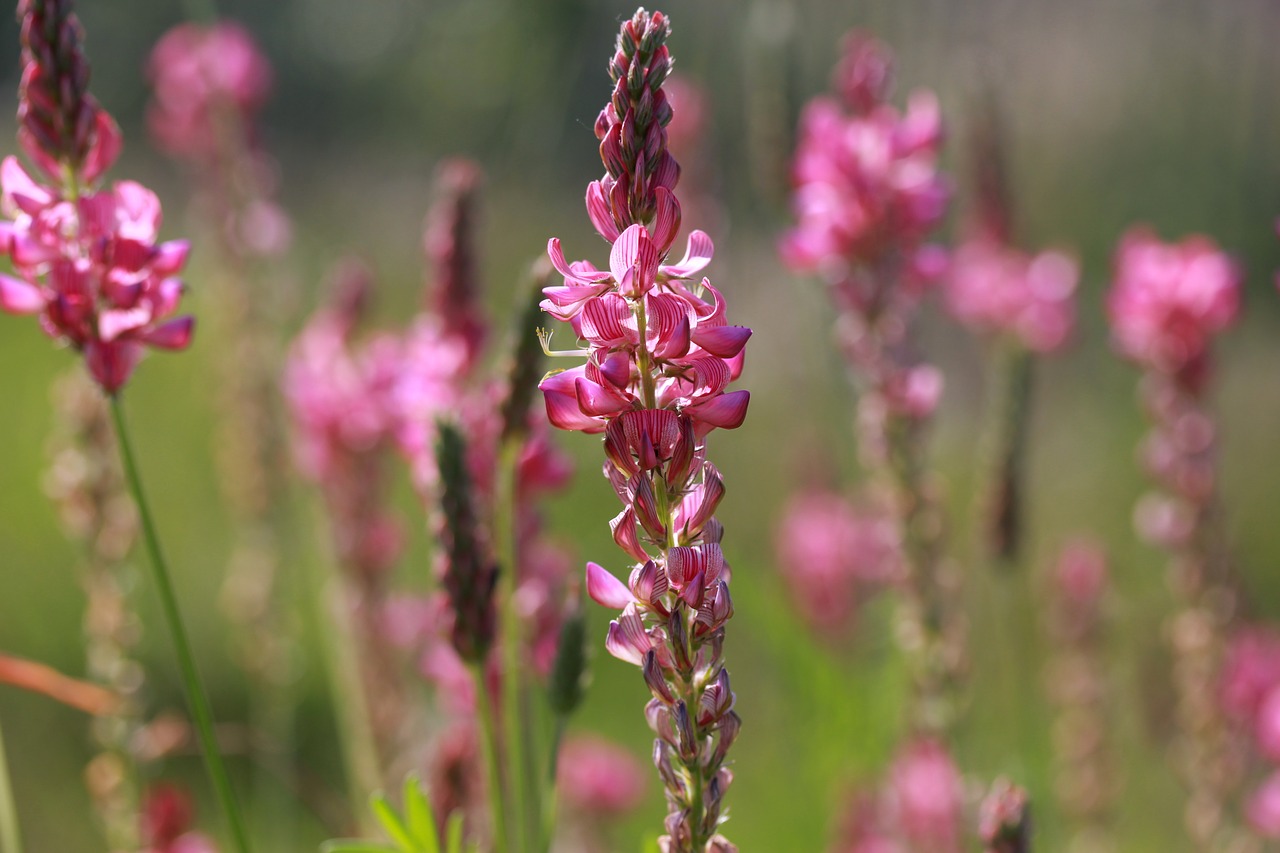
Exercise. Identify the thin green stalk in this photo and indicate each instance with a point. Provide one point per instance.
(551, 805)
(516, 716)
(489, 745)
(10, 837)
(198, 701)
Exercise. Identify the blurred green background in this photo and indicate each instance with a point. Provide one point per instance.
(1161, 111)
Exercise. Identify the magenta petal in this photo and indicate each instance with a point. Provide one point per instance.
(722, 341)
(170, 257)
(698, 254)
(605, 589)
(19, 297)
(114, 323)
(726, 411)
(562, 402)
(173, 335)
(598, 211)
(597, 400)
(21, 189)
(666, 223)
(105, 149)
(582, 276)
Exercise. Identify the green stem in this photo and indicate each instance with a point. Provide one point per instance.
(10, 837)
(550, 806)
(525, 815)
(489, 745)
(198, 701)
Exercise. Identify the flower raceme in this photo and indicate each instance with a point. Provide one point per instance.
(88, 260)
(660, 355)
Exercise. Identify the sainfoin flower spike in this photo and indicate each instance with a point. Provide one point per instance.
(660, 355)
(87, 259)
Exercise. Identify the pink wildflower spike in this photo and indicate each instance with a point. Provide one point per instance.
(605, 589)
(656, 394)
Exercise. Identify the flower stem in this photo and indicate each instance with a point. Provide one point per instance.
(489, 745)
(10, 837)
(198, 701)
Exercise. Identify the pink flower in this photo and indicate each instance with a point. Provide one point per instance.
(600, 779)
(1169, 299)
(830, 551)
(865, 182)
(1263, 809)
(1267, 728)
(93, 271)
(925, 796)
(998, 290)
(204, 77)
(1080, 574)
(1250, 671)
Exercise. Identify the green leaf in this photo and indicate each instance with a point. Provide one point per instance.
(453, 833)
(355, 845)
(392, 824)
(422, 823)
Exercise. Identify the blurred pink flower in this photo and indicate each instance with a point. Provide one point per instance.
(1250, 671)
(1080, 574)
(92, 268)
(1263, 808)
(994, 289)
(1168, 300)
(202, 76)
(167, 815)
(1267, 728)
(925, 796)
(600, 779)
(866, 178)
(830, 551)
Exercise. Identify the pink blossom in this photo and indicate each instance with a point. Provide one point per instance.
(167, 814)
(598, 778)
(1168, 300)
(1250, 671)
(998, 290)
(1080, 574)
(925, 796)
(204, 77)
(865, 182)
(830, 551)
(1263, 808)
(92, 269)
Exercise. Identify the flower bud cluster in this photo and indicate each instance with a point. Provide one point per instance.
(88, 260)
(632, 128)
(660, 355)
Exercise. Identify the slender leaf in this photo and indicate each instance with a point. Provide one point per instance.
(422, 823)
(392, 824)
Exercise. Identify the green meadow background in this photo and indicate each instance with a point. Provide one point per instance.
(1159, 111)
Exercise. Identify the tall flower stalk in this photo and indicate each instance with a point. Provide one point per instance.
(659, 357)
(1167, 303)
(867, 193)
(89, 264)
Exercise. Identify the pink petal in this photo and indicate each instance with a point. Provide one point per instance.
(722, 341)
(587, 276)
(170, 257)
(696, 257)
(726, 411)
(598, 211)
(105, 149)
(19, 297)
(20, 188)
(605, 589)
(173, 335)
(666, 223)
(599, 400)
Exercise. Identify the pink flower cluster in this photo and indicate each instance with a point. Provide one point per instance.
(660, 355)
(89, 263)
(1168, 300)
(920, 808)
(204, 77)
(866, 177)
(599, 779)
(833, 555)
(995, 289)
(1250, 696)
